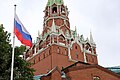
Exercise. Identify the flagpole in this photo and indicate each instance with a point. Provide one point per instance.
(13, 49)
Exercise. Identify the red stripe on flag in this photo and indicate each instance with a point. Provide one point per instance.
(20, 37)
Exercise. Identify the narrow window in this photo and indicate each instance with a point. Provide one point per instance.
(65, 52)
(34, 61)
(44, 55)
(86, 58)
(75, 47)
(58, 50)
(63, 10)
(39, 58)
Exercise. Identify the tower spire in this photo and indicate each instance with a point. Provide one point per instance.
(91, 37)
(57, 2)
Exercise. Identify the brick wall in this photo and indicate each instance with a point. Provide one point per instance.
(88, 74)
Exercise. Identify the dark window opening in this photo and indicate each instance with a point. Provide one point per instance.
(63, 10)
(75, 47)
(49, 52)
(71, 39)
(40, 46)
(44, 55)
(46, 14)
(86, 58)
(96, 78)
(34, 61)
(54, 10)
(39, 58)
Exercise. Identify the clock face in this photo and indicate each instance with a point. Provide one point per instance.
(49, 23)
(58, 22)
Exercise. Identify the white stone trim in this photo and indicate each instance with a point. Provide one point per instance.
(90, 53)
(60, 45)
(72, 60)
(69, 55)
(48, 18)
(84, 54)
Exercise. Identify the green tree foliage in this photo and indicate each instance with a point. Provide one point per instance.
(21, 67)
(5, 52)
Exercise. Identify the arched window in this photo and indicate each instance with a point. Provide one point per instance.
(88, 47)
(62, 9)
(54, 10)
(96, 78)
(62, 37)
(75, 47)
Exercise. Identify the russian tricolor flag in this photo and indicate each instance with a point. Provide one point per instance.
(21, 33)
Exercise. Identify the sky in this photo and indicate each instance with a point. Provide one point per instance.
(101, 17)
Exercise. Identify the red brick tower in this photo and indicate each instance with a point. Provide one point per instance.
(58, 45)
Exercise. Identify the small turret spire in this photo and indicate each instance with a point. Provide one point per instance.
(75, 31)
(38, 33)
(91, 37)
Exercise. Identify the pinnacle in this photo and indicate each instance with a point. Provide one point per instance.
(53, 28)
(91, 38)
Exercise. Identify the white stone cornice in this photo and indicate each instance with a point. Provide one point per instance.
(62, 17)
(60, 45)
(88, 52)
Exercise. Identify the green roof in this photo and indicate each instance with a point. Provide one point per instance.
(57, 2)
(114, 69)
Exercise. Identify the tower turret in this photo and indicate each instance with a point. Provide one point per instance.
(58, 45)
(55, 10)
